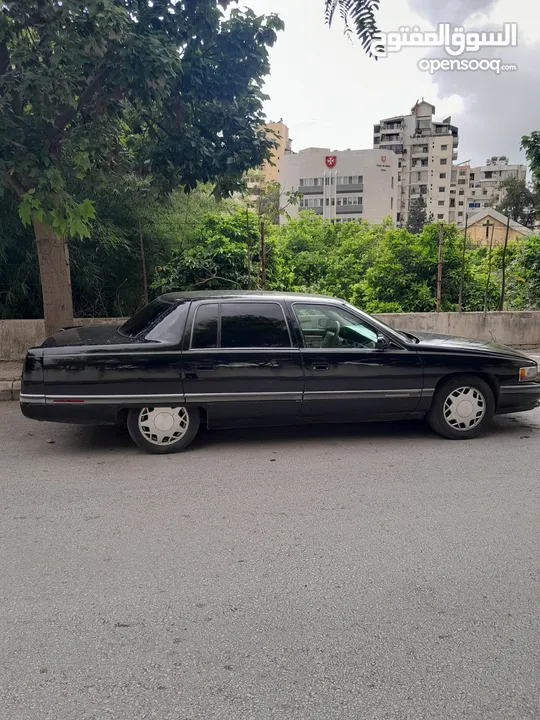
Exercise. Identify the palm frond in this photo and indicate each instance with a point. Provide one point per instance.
(359, 17)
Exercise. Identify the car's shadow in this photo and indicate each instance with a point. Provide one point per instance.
(117, 438)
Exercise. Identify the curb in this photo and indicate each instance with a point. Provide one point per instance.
(10, 390)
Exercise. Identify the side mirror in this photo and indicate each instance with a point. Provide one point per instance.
(382, 342)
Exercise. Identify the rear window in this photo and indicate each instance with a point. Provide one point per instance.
(145, 319)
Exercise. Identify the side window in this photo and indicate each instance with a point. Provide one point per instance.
(205, 327)
(328, 326)
(253, 325)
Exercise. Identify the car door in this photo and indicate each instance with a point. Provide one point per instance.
(349, 374)
(240, 363)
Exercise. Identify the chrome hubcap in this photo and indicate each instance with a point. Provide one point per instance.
(464, 408)
(163, 426)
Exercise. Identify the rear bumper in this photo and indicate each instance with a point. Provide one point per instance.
(73, 414)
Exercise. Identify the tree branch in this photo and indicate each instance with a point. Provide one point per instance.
(15, 184)
(70, 113)
(4, 58)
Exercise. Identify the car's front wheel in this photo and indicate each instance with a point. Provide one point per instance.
(462, 408)
(162, 430)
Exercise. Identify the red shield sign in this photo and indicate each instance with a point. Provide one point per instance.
(331, 161)
(383, 158)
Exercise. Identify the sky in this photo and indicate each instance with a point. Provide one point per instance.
(330, 93)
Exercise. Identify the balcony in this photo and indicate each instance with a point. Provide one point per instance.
(349, 209)
(359, 188)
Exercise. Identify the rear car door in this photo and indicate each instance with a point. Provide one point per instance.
(240, 363)
(348, 373)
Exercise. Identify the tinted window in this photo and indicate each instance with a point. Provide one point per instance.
(205, 328)
(253, 325)
(328, 326)
(170, 325)
(145, 319)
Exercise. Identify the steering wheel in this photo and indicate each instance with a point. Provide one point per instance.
(331, 336)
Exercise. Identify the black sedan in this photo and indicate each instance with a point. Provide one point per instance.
(230, 358)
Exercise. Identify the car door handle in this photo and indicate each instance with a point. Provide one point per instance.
(320, 366)
(205, 367)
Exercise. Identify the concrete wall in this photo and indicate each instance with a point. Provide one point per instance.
(519, 329)
(16, 336)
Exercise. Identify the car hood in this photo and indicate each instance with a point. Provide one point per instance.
(87, 335)
(432, 341)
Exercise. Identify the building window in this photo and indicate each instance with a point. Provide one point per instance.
(460, 202)
(399, 163)
(441, 188)
(474, 205)
(440, 217)
(462, 182)
(348, 200)
(460, 214)
(350, 180)
(391, 203)
(444, 147)
(473, 192)
(442, 175)
(443, 161)
(462, 172)
(440, 203)
(392, 185)
(311, 202)
(461, 192)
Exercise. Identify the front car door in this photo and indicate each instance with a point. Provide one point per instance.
(239, 362)
(349, 375)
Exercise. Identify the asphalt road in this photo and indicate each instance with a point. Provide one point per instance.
(333, 572)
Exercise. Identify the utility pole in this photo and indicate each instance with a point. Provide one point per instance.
(439, 268)
(263, 258)
(503, 283)
(489, 270)
(462, 277)
(143, 264)
(248, 245)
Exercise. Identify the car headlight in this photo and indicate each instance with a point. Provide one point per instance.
(527, 374)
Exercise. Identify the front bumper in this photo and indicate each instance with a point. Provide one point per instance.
(519, 398)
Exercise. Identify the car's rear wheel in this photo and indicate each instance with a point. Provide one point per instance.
(463, 407)
(162, 430)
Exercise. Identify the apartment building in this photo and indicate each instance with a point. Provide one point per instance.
(341, 185)
(484, 182)
(258, 178)
(425, 150)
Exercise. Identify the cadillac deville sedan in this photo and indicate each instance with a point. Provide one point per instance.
(226, 359)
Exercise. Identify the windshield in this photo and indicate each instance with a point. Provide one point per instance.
(145, 319)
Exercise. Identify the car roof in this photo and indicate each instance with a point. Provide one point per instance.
(243, 295)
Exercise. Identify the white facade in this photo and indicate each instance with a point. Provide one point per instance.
(426, 151)
(342, 185)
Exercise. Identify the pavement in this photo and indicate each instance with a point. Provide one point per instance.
(321, 573)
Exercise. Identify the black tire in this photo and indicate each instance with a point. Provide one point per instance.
(436, 416)
(193, 421)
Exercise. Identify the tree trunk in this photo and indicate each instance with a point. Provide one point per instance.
(55, 275)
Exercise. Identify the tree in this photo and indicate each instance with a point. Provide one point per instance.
(360, 14)
(167, 90)
(531, 145)
(225, 256)
(519, 202)
(417, 215)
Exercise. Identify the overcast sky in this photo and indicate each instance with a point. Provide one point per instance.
(330, 93)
